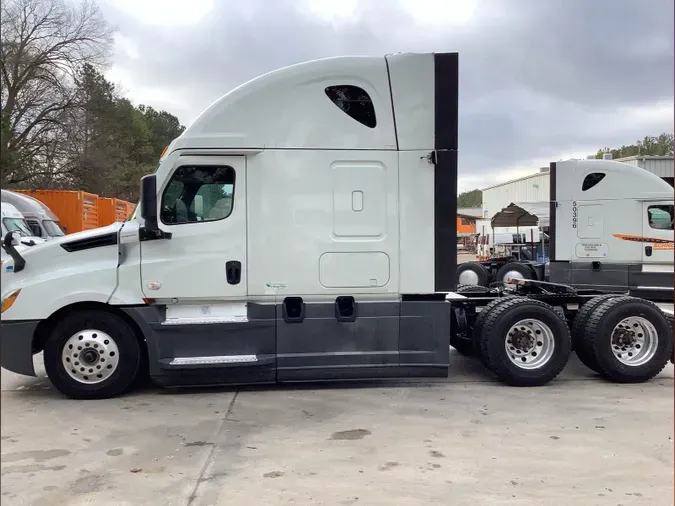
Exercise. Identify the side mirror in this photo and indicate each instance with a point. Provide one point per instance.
(8, 242)
(151, 228)
(11, 239)
(149, 200)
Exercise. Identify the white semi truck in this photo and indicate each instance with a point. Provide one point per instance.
(610, 227)
(13, 221)
(324, 247)
(42, 221)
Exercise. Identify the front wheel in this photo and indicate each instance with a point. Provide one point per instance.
(92, 355)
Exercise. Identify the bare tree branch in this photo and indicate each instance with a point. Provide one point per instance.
(43, 45)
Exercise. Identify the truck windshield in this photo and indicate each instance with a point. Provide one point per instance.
(52, 228)
(17, 225)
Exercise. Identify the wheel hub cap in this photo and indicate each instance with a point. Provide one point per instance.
(90, 356)
(512, 275)
(634, 341)
(468, 278)
(529, 344)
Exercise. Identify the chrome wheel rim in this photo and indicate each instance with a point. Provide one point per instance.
(468, 278)
(529, 344)
(512, 275)
(634, 341)
(90, 356)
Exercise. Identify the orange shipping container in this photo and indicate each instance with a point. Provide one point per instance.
(466, 225)
(111, 211)
(130, 209)
(77, 210)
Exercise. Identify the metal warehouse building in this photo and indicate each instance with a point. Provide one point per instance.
(661, 166)
(535, 188)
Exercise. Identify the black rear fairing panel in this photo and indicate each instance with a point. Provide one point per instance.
(446, 122)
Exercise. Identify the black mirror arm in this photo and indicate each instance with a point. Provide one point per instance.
(19, 261)
(150, 234)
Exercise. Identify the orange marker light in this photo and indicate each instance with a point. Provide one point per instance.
(8, 301)
(163, 151)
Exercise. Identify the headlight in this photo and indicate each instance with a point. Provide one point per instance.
(8, 300)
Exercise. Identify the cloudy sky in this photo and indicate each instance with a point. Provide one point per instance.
(540, 80)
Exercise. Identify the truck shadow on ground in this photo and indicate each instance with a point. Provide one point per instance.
(462, 370)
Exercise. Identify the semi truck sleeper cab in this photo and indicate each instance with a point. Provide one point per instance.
(302, 228)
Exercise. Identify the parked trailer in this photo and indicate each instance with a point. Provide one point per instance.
(330, 255)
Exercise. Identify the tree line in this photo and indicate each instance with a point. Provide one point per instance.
(63, 125)
(660, 145)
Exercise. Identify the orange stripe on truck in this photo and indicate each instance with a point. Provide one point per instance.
(659, 243)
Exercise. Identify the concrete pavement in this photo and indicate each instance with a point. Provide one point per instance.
(463, 441)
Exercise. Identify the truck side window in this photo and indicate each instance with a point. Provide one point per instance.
(660, 217)
(197, 194)
(355, 102)
(34, 228)
(591, 180)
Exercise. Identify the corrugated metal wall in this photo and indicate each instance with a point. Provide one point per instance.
(659, 167)
(533, 188)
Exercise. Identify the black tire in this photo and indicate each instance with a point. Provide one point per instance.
(478, 269)
(671, 324)
(598, 336)
(129, 353)
(480, 321)
(581, 348)
(471, 289)
(492, 340)
(523, 269)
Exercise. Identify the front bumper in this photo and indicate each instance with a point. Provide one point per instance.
(16, 346)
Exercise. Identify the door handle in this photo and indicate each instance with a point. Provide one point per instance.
(233, 272)
(648, 251)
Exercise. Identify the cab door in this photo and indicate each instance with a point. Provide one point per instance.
(208, 332)
(657, 230)
(202, 205)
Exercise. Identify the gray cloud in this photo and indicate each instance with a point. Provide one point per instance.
(539, 78)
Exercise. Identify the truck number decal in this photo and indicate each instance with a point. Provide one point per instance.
(574, 214)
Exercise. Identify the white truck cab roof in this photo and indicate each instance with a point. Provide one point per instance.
(38, 216)
(13, 221)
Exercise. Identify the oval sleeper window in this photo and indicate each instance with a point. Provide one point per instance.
(591, 180)
(355, 102)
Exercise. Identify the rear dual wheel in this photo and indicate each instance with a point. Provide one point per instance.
(671, 324)
(525, 342)
(514, 270)
(581, 347)
(472, 273)
(627, 339)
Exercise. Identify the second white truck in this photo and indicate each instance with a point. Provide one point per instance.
(610, 228)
